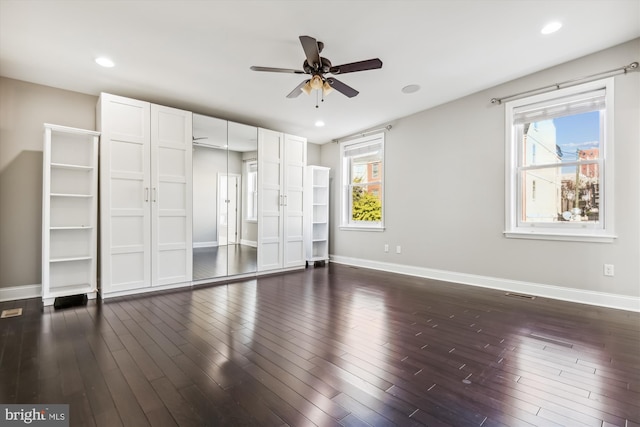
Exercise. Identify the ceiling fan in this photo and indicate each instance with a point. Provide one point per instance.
(317, 67)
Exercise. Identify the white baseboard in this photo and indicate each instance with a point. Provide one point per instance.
(20, 292)
(602, 299)
(251, 243)
(155, 288)
(205, 244)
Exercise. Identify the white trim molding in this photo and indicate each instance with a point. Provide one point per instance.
(20, 292)
(199, 245)
(602, 299)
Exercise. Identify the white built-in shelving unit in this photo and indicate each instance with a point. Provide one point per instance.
(69, 212)
(317, 214)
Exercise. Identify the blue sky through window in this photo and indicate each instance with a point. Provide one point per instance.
(577, 132)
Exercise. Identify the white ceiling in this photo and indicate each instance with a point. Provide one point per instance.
(196, 54)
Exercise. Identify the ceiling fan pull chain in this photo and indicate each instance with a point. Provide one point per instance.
(317, 98)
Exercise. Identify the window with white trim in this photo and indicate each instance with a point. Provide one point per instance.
(559, 164)
(362, 181)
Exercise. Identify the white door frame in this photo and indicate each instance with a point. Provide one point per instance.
(230, 195)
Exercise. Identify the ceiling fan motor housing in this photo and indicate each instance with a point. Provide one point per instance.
(317, 68)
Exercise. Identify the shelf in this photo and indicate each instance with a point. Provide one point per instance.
(86, 196)
(72, 289)
(71, 167)
(78, 227)
(83, 258)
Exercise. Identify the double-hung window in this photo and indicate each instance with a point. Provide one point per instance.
(362, 181)
(559, 164)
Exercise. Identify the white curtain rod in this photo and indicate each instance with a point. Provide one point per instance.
(361, 134)
(622, 70)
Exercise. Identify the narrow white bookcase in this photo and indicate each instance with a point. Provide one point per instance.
(317, 217)
(69, 212)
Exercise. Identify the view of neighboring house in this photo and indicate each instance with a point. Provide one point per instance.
(542, 186)
(549, 191)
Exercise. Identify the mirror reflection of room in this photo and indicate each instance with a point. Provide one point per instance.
(224, 198)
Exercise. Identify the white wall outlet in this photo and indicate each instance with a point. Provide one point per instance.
(608, 270)
(398, 249)
(386, 247)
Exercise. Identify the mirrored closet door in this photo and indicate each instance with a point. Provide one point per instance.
(224, 198)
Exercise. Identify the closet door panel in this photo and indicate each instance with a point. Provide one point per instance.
(124, 191)
(270, 200)
(171, 136)
(295, 154)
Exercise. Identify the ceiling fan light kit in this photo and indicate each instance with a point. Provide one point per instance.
(317, 66)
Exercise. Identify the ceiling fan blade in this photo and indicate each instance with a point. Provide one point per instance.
(298, 90)
(342, 88)
(310, 46)
(277, 70)
(369, 64)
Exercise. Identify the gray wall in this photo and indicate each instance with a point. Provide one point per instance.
(445, 192)
(313, 154)
(24, 107)
(207, 162)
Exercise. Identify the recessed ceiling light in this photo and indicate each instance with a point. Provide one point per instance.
(551, 27)
(319, 123)
(411, 89)
(105, 62)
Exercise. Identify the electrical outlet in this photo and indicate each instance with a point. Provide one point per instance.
(608, 270)
(386, 247)
(398, 249)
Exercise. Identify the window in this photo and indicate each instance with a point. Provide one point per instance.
(251, 171)
(559, 155)
(363, 183)
(375, 170)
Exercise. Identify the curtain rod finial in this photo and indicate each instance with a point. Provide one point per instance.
(496, 101)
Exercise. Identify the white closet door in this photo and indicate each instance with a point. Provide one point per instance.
(171, 165)
(125, 193)
(270, 200)
(295, 155)
(233, 213)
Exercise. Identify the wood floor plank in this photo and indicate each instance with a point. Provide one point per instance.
(181, 410)
(337, 346)
(131, 414)
(138, 383)
(221, 409)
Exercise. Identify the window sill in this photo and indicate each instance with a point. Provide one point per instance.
(354, 228)
(538, 235)
(252, 221)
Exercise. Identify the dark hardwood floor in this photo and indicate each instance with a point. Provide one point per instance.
(326, 346)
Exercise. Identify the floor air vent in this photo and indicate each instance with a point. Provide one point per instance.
(13, 312)
(521, 296)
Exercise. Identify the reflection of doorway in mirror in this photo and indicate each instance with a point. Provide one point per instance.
(228, 209)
